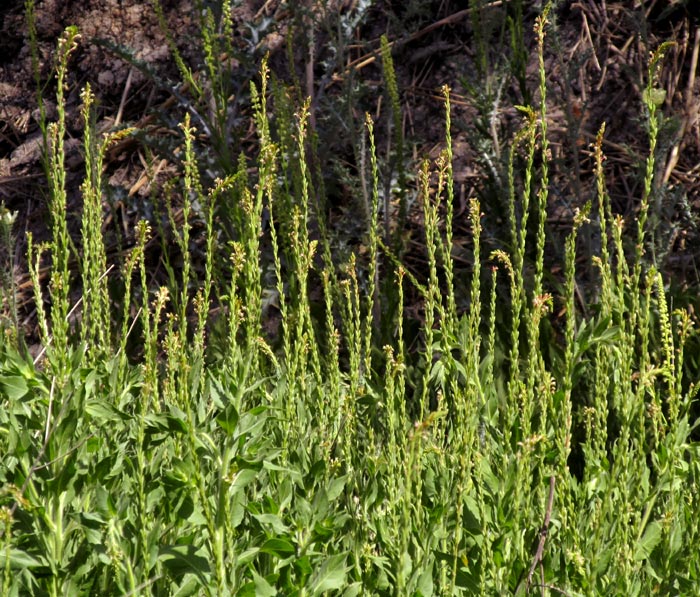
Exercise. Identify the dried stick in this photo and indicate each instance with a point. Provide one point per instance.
(544, 529)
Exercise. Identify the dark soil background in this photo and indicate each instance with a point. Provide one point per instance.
(596, 60)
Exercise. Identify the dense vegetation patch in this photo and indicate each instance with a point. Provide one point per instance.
(501, 440)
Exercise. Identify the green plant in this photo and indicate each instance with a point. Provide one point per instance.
(9, 322)
(336, 464)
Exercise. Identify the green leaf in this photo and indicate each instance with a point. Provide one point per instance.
(14, 386)
(608, 335)
(295, 475)
(92, 525)
(228, 419)
(471, 516)
(248, 556)
(353, 590)
(650, 539)
(274, 521)
(103, 411)
(103, 502)
(330, 576)
(278, 547)
(18, 560)
(655, 96)
(335, 488)
(262, 587)
(425, 582)
(181, 559)
(189, 586)
(165, 422)
(302, 566)
(406, 564)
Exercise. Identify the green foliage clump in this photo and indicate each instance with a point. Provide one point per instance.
(477, 463)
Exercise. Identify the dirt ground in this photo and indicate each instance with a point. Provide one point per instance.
(596, 63)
